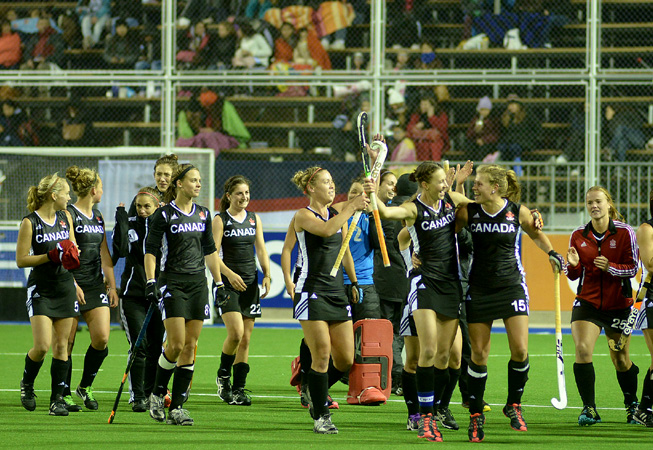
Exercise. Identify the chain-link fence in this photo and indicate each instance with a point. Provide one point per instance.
(555, 89)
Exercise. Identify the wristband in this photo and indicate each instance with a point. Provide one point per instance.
(151, 280)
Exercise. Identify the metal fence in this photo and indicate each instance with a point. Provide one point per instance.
(566, 83)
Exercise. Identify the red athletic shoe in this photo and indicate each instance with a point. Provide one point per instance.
(513, 412)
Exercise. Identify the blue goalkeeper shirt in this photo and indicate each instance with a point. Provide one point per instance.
(362, 251)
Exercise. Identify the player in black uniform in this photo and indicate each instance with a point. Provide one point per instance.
(238, 233)
(128, 240)
(88, 225)
(435, 291)
(44, 243)
(497, 287)
(181, 232)
(320, 303)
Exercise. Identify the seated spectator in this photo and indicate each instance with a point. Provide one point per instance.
(332, 18)
(130, 11)
(94, 16)
(429, 128)
(404, 147)
(302, 53)
(483, 133)
(121, 50)
(10, 47)
(402, 62)
(197, 48)
(574, 142)
(44, 50)
(256, 9)
(253, 49)
(555, 15)
(29, 24)
(622, 131)
(344, 140)
(225, 45)
(427, 59)
(284, 45)
(150, 49)
(397, 112)
(518, 131)
(76, 127)
(207, 11)
(16, 130)
(358, 63)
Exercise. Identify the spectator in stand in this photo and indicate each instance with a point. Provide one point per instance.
(44, 50)
(429, 128)
(253, 50)
(12, 125)
(121, 50)
(397, 112)
(555, 12)
(403, 61)
(302, 53)
(344, 141)
(427, 59)
(150, 49)
(622, 131)
(10, 47)
(284, 45)
(129, 10)
(76, 127)
(359, 63)
(198, 48)
(483, 133)
(574, 142)
(404, 149)
(225, 45)
(518, 132)
(256, 9)
(94, 16)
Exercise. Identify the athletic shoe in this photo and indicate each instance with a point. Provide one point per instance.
(475, 430)
(643, 418)
(86, 394)
(58, 407)
(589, 416)
(27, 396)
(513, 412)
(71, 406)
(486, 406)
(240, 397)
(399, 392)
(331, 403)
(179, 416)
(445, 417)
(428, 429)
(157, 410)
(323, 425)
(303, 396)
(412, 424)
(139, 405)
(630, 413)
(224, 388)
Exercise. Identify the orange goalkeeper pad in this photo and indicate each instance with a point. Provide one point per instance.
(369, 378)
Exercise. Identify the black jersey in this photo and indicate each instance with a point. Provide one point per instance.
(47, 278)
(238, 245)
(496, 260)
(390, 282)
(183, 239)
(434, 239)
(89, 233)
(318, 255)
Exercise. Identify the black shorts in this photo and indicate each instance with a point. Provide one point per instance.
(369, 307)
(95, 297)
(248, 303)
(645, 317)
(63, 306)
(312, 306)
(442, 296)
(184, 295)
(614, 319)
(484, 304)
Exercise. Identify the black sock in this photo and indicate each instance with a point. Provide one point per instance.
(463, 381)
(58, 370)
(163, 373)
(31, 370)
(226, 362)
(92, 362)
(69, 376)
(183, 377)
(476, 384)
(440, 382)
(628, 383)
(240, 375)
(318, 385)
(517, 378)
(424, 377)
(454, 375)
(585, 381)
(334, 374)
(647, 392)
(305, 360)
(409, 385)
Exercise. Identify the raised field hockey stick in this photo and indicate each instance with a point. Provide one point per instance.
(632, 317)
(137, 344)
(562, 390)
(361, 122)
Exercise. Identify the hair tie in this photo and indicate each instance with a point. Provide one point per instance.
(309, 180)
(181, 175)
(56, 178)
(158, 202)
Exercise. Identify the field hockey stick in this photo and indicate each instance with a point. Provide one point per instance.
(562, 390)
(632, 317)
(132, 358)
(376, 170)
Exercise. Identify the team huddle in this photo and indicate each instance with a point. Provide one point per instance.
(442, 268)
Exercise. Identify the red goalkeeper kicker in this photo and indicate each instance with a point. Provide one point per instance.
(369, 378)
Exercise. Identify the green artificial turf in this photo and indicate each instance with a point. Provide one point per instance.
(276, 419)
